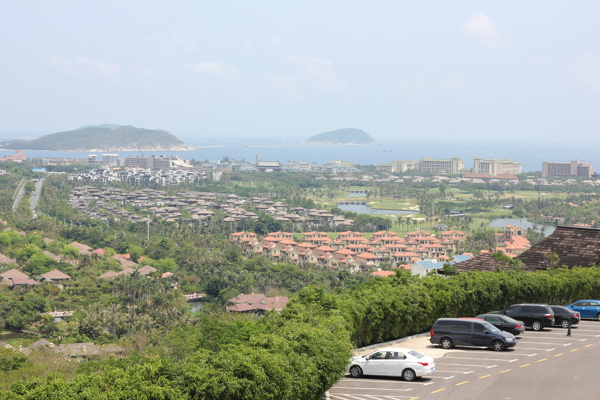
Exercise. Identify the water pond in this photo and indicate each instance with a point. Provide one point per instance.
(523, 223)
(364, 209)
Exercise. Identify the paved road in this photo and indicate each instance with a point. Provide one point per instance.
(544, 365)
(35, 197)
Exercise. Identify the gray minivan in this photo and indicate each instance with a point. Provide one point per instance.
(450, 332)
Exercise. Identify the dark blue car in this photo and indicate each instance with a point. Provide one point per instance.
(587, 308)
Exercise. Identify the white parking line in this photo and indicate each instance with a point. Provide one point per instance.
(389, 381)
(531, 348)
(556, 338)
(564, 334)
(453, 372)
(480, 359)
(473, 365)
(441, 377)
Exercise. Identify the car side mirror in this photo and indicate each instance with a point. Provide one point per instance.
(487, 332)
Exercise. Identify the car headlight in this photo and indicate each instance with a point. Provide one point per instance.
(508, 339)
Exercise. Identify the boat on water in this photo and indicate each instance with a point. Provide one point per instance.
(388, 151)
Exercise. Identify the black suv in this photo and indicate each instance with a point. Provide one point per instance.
(535, 316)
(450, 332)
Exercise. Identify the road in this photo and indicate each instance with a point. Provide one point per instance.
(544, 365)
(35, 197)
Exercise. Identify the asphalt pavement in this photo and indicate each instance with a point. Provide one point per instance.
(544, 365)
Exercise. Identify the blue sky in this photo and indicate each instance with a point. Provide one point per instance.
(289, 70)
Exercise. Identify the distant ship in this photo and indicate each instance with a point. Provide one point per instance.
(388, 151)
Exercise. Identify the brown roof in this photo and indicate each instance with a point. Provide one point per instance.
(574, 247)
(5, 260)
(482, 262)
(13, 273)
(146, 269)
(107, 275)
(55, 274)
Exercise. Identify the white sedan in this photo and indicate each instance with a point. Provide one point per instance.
(392, 361)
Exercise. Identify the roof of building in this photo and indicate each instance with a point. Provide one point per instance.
(13, 273)
(55, 274)
(5, 260)
(574, 246)
(482, 262)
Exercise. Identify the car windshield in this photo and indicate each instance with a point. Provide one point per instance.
(490, 327)
(509, 319)
(416, 354)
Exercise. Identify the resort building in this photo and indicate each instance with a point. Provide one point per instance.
(573, 168)
(496, 167)
(451, 166)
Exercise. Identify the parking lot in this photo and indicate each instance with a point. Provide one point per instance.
(468, 373)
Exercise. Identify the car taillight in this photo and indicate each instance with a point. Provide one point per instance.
(576, 315)
(549, 316)
(518, 327)
(431, 332)
(424, 364)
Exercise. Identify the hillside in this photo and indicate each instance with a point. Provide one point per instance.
(102, 138)
(342, 136)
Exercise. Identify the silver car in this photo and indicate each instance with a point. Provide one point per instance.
(392, 361)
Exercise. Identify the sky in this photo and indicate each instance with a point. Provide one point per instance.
(467, 70)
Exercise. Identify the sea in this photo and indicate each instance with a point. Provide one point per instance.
(530, 154)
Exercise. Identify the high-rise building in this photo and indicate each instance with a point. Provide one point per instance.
(404, 165)
(452, 166)
(573, 168)
(496, 167)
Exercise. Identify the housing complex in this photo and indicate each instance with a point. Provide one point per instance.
(351, 250)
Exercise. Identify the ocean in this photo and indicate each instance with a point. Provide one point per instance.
(530, 154)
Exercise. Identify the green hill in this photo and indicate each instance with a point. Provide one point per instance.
(102, 138)
(343, 136)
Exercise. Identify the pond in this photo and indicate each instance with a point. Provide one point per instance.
(364, 209)
(195, 305)
(523, 223)
(13, 335)
(357, 194)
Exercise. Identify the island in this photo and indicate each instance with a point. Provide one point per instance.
(342, 136)
(105, 137)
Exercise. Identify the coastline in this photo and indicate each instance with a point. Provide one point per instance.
(312, 144)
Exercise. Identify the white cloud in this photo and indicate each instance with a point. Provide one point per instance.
(320, 71)
(173, 44)
(481, 28)
(587, 71)
(212, 67)
(84, 66)
(286, 84)
(275, 40)
(141, 70)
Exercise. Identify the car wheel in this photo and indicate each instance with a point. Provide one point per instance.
(565, 323)
(409, 375)
(498, 345)
(356, 371)
(446, 343)
(537, 325)
(598, 317)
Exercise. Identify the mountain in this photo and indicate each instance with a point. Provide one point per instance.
(342, 136)
(104, 137)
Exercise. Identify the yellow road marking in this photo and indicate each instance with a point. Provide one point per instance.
(589, 345)
(543, 359)
(524, 365)
(414, 398)
(506, 370)
(558, 355)
(439, 390)
(462, 383)
(574, 350)
(485, 376)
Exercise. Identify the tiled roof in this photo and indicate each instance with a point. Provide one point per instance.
(55, 274)
(574, 247)
(5, 260)
(482, 262)
(13, 273)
